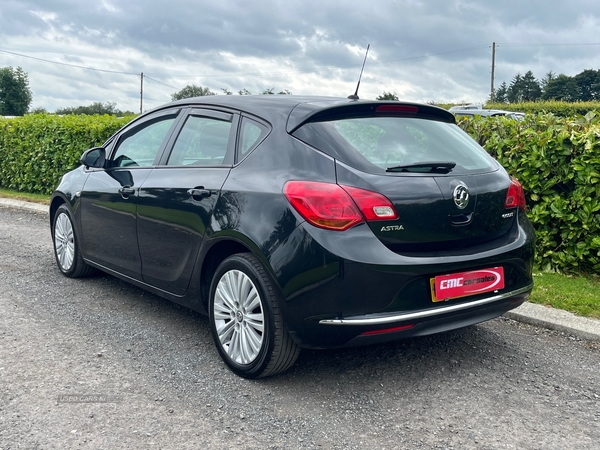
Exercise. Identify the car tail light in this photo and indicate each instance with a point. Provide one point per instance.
(324, 205)
(515, 196)
(333, 207)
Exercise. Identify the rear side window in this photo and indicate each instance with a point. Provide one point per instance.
(202, 141)
(251, 134)
(373, 144)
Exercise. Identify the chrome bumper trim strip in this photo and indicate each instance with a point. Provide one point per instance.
(365, 320)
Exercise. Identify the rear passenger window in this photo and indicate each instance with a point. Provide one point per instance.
(202, 141)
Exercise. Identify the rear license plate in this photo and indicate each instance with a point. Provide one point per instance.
(463, 284)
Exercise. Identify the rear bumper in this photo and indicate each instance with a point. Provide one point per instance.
(373, 329)
(345, 289)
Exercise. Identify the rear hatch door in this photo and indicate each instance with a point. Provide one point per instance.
(447, 190)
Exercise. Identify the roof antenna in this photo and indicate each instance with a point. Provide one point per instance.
(355, 95)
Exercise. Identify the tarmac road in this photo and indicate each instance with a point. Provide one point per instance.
(97, 363)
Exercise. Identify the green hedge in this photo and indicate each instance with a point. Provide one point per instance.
(558, 162)
(36, 150)
(556, 159)
(558, 108)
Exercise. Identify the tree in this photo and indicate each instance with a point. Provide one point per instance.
(109, 108)
(524, 88)
(501, 94)
(563, 87)
(588, 85)
(15, 95)
(38, 110)
(547, 79)
(531, 90)
(270, 91)
(584, 86)
(514, 89)
(191, 90)
(387, 96)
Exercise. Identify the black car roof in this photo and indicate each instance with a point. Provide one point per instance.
(294, 110)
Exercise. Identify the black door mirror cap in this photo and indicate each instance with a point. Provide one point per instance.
(94, 157)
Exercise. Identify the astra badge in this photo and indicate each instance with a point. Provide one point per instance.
(392, 228)
(461, 196)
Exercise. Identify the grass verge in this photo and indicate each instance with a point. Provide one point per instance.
(16, 195)
(578, 294)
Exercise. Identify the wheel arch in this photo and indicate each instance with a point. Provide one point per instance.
(54, 205)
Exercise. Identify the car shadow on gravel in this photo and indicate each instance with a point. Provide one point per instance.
(426, 355)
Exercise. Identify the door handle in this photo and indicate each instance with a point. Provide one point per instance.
(199, 193)
(126, 191)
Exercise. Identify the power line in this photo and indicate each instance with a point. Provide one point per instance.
(515, 44)
(159, 82)
(322, 69)
(67, 64)
(318, 70)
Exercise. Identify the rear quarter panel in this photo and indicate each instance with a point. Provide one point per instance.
(252, 207)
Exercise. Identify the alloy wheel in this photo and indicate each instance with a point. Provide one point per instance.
(64, 242)
(239, 317)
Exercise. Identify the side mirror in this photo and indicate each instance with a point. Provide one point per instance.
(94, 157)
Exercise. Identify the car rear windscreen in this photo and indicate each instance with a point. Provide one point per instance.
(375, 144)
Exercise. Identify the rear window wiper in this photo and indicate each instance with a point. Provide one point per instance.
(426, 166)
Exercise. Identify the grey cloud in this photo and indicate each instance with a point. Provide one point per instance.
(188, 38)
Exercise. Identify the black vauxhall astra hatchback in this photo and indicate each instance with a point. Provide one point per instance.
(300, 222)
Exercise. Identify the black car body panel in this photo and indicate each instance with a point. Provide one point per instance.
(166, 227)
(171, 225)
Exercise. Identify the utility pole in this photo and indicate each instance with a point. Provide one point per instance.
(493, 67)
(142, 90)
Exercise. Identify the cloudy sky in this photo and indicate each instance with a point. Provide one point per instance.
(423, 50)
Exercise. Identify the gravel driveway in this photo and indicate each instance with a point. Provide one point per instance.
(97, 363)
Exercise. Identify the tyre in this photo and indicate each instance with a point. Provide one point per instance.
(245, 319)
(66, 246)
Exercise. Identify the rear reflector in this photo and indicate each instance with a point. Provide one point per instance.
(387, 330)
(515, 196)
(335, 207)
(373, 205)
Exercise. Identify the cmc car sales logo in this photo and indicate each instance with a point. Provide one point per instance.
(456, 285)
